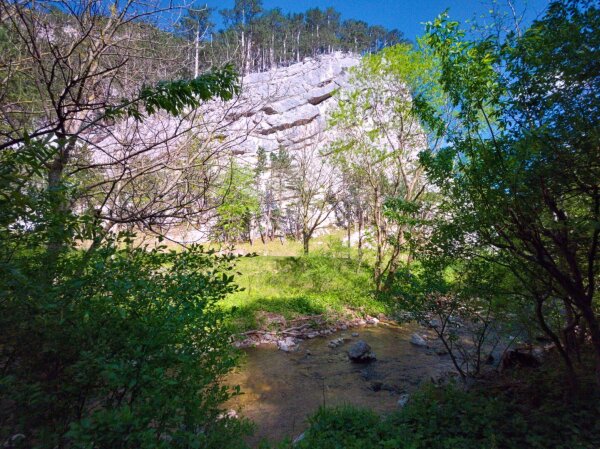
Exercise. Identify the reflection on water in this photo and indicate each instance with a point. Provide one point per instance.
(282, 389)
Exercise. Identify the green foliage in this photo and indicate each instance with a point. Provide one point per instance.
(519, 176)
(195, 24)
(175, 97)
(239, 206)
(270, 37)
(119, 350)
(17, 89)
(123, 350)
(342, 427)
(103, 344)
(468, 302)
(261, 162)
(449, 418)
(380, 137)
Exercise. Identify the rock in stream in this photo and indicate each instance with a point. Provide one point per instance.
(361, 352)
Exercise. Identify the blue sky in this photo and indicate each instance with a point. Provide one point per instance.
(405, 15)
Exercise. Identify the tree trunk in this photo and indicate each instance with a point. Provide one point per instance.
(349, 232)
(244, 62)
(249, 65)
(379, 240)
(305, 242)
(569, 334)
(559, 346)
(594, 328)
(360, 237)
(272, 52)
(284, 49)
(59, 203)
(196, 57)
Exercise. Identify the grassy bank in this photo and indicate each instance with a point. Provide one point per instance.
(325, 282)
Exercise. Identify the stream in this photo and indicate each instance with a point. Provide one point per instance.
(280, 390)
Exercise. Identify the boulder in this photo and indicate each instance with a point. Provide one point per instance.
(361, 352)
(299, 438)
(288, 344)
(229, 414)
(417, 340)
(519, 357)
(403, 400)
(376, 385)
(434, 323)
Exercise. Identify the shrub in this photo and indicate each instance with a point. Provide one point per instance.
(124, 348)
(451, 418)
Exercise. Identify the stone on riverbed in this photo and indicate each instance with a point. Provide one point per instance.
(361, 352)
(417, 340)
(335, 343)
(299, 438)
(288, 344)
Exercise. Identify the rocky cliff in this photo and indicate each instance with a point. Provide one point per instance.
(287, 106)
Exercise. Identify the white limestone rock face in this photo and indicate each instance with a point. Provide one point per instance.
(287, 106)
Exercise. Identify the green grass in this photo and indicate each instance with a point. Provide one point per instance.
(321, 283)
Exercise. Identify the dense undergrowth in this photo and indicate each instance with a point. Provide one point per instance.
(117, 352)
(526, 409)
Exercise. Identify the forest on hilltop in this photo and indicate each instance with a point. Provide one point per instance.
(257, 39)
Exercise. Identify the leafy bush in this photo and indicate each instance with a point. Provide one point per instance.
(124, 349)
(104, 345)
(449, 418)
(121, 347)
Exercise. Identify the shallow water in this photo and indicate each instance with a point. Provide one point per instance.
(280, 390)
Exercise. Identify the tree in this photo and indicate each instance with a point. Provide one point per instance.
(520, 174)
(241, 17)
(240, 205)
(259, 39)
(280, 175)
(314, 186)
(355, 35)
(93, 115)
(101, 346)
(380, 141)
(195, 26)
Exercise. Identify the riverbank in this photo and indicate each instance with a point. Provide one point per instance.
(278, 290)
(284, 334)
